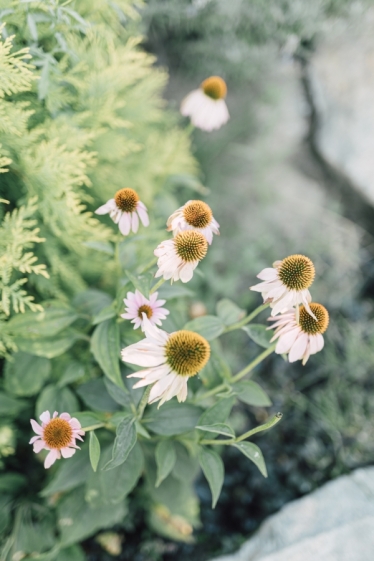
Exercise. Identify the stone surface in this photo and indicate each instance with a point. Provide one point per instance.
(334, 523)
(341, 78)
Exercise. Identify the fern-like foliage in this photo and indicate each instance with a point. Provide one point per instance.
(18, 235)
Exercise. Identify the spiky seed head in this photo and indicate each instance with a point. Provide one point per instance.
(57, 433)
(187, 352)
(126, 199)
(145, 309)
(191, 245)
(310, 325)
(197, 214)
(214, 87)
(296, 272)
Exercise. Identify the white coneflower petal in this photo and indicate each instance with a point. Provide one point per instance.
(171, 360)
(125, 210)
(206, 106)
(286, 284)
(179, 257)
(137, 305)
(194, 215)
(300, 337)
(58, 435)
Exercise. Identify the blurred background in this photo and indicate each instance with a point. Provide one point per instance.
(292, 172)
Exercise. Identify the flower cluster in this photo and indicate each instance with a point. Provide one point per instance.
(300, 323)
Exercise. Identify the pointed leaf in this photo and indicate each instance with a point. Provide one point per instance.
(250, 392)
(105, 346)
(229, 312)
(94, 450)
(209, 327)
(214, 471)
(254, 453)
(165, 459)
(259, 334)
(124, 442)
(218, 428)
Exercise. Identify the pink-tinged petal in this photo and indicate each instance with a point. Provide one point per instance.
(65, 416)
(268, 274)
(298, 348)
(143, 215)
(55, 414)
(182, 395)
(34, 439)
(134, 222)
(45, 417)
(36, 427)
(108, 207)
(320, 342)
(186, 272)
(51, 458)
(75, 424)
(125, 223)
(161, 387)
(287, 340)
(38, 446)
(67, 452)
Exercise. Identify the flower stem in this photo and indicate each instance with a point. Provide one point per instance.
(253, 364)
(143, 402)
(94, 427)
(156, 286)
(238, 376)
(247, 319)
(149, 265)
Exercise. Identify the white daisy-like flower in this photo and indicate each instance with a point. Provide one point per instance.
(137, 305)
(206, 106)
(286, 284)
(300, 339)
(194, 215)
(179, 257)
(125, 210)
(57, 435)
(171, 359)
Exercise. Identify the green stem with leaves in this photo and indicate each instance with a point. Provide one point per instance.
(156, 286)
(266, 426)
(247, 319)
(143, 402)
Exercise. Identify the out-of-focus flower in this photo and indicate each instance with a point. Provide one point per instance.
(197, 310)
(194, 215)
(179, 257)
(300, 339)
(57, 435)
(206, 106)
(125, 210)
(137, 305)
(171, 361)
(286, 284)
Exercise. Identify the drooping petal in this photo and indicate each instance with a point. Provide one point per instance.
(45, 417)
(51, 458)
(36, 427)
(67, 452)
(38, 446)
(125, 223)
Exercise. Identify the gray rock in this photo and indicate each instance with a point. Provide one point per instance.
(341, 78)
(334, 523)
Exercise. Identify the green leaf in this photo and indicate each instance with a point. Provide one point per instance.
(170, 291)
(58, 399)
(94, 450)
(218, 428)
(71, 553)
(104, 247)
(209, 327)
(259, 334)
(124, 442)
(49, 348)
(74, 371)
(105, 346)
(229, 312)
(120, 395)
(172, 418)
(70, 474)
(251, 393)
(95, 395)
(186, 466)
(42, 324)
(91, 301)
(141, 282)
(112, 486)
(165, 459)
(213, 469)
(218, 413)
(78, 520)
(26, 374)
(254, 453)
(216, 370)
(12, 482)
(9, 406)
(106, 313)
(87, 418)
